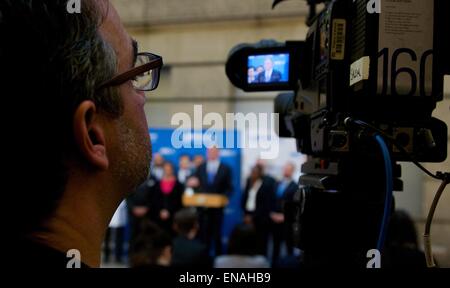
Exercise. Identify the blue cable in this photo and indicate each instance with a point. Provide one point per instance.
(389, 191)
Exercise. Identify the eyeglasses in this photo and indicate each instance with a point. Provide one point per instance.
(145, 75)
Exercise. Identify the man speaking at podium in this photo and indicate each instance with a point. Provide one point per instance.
(212, 177)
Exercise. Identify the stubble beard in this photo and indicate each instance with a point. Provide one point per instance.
(133, 165)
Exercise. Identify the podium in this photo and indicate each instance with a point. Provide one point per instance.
(204, 200)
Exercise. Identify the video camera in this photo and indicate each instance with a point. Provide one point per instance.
(366, 68)
(384, 68)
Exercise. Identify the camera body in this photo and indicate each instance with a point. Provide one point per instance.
(363, 65)
(386, 69)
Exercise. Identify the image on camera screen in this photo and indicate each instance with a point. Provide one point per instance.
(271, 68)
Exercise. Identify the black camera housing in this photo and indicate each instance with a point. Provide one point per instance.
(348, 66)
(353, 65)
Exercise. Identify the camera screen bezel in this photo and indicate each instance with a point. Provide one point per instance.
(237, 68)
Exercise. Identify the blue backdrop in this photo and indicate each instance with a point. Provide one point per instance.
(161, 143)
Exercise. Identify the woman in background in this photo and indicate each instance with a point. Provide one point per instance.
(166, 199)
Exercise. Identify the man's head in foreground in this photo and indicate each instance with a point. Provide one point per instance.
(85, 143)
(185, 223)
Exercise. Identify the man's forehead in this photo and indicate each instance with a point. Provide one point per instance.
(113, 31)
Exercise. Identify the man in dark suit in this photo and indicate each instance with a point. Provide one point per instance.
(269, 75)
(257, 203)
(212, 177)
(138, 205)
(281, 232)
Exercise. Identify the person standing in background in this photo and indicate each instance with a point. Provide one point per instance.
(117, 229)
(166, 200)
(138, 205)
(197, 162)
(184, 169)
(212, 177)
(281, 232)
(157, 167)
(257, 202)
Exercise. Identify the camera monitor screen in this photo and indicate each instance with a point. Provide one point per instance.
(266, 69)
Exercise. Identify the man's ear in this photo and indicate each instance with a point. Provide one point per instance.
(89, 134)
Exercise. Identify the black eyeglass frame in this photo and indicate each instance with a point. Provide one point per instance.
(155, 63)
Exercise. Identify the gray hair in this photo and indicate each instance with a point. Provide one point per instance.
(89, 61)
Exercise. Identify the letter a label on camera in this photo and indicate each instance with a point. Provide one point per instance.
(360, 70)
